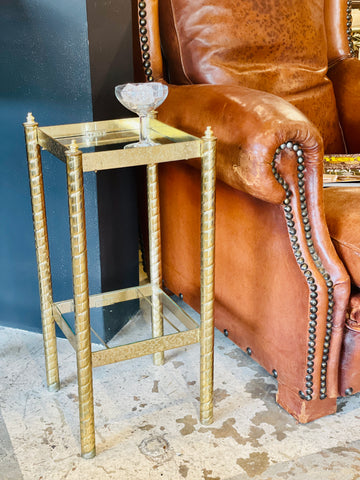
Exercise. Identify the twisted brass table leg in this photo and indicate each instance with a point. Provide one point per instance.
(81, 298)
(42, 252)
(155, 255)
(208, 155)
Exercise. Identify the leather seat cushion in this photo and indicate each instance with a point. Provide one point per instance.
(342, 210)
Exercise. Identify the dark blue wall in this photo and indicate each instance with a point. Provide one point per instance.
(110, 47)
(45, 69)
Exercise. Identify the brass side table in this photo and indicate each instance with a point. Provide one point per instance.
(64, 142)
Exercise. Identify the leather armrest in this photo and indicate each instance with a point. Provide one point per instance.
(249, 125)
(345, 76)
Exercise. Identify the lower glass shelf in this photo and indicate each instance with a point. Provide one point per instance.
(180, 328)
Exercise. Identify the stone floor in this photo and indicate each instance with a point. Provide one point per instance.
(147, 420)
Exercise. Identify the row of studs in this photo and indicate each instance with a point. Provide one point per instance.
(307, 395)
(144, 42)
(349, 28)
(248, 350)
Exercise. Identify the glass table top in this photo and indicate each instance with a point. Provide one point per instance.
(91, 134)
(173, 145)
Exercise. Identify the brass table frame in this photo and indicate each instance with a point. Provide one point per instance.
(176, 145)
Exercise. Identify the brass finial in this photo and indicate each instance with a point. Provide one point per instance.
(209, 133)
(73, 146)
(30, 118)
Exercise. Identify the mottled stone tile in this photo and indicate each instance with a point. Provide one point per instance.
(136, 403)
(9, 466)
(336, 463)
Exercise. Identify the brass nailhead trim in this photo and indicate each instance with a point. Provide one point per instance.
(308, 394)
(145, 47)
(349, 28)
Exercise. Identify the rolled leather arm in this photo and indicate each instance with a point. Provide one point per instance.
(249, 125)
(345, 76)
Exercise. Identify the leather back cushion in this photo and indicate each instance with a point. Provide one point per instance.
(273, 45)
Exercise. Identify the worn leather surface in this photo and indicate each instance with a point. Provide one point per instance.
(342, 211)
(211, 42)
(242, 67)
(353, 314)
(350, 354)
(343, 220)
(245, 148)
(350, 361)
(259, 288)
(345, 76)
(247, 262)
(246, 43)
(335, 26)
(320, 107)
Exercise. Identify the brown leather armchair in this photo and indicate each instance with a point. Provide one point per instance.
(278, 83)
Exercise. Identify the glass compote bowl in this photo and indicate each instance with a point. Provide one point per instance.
(141, 98)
